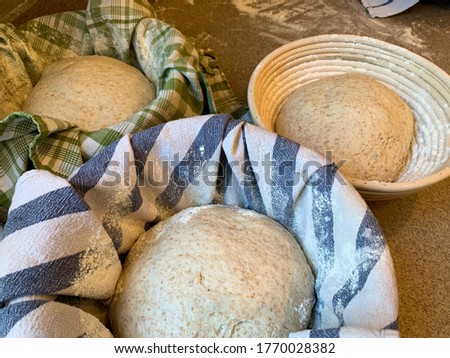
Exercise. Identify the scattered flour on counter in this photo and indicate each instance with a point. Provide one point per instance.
(310, 17)
(408, 36)
(286, 11)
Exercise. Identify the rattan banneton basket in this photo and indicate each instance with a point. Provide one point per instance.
(421, 84)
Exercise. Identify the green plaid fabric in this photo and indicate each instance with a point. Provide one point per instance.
(189, 83)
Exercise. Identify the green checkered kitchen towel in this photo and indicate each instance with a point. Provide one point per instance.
(189, 83)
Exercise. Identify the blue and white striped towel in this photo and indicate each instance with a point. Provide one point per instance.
(63, 237)
(386, 8)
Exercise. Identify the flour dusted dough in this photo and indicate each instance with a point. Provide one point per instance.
(90, 91)
(214, 271)
(356, 117)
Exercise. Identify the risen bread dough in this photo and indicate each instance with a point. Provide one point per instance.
(90, 91)
(356, 117)
(214, 271)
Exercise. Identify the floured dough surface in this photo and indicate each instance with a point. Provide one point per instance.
(14, 84)
(357, 118)
(214, 271)
(91, 91)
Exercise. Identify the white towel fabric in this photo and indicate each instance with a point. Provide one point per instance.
(46, 317)
(386, 8)
(346, 332)
(63, 237)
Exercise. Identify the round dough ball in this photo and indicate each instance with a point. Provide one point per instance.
(357, 118)
(214, 271)
(91, 91)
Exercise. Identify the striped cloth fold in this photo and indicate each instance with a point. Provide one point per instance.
(386, 8)
(188, 80)
(346, 332)
(48, 317)
(63, 237)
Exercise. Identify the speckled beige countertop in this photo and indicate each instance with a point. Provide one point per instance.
(242, 32)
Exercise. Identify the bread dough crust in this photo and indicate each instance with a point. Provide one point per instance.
(214, 271)
(357, 118)
(91, 91)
